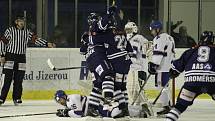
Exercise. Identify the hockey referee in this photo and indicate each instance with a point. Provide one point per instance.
(13, 46)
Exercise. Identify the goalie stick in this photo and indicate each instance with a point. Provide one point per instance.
(51, 66)
(34, 114)
(141, 88)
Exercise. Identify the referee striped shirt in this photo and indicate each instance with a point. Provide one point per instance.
(15, 41)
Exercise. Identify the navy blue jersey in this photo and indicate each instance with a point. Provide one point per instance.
(198, 64)
(116, 42)
(92, 43)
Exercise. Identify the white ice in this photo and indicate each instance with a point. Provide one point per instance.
(202, 110)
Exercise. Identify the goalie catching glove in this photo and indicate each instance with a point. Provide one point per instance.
(152, 68)
(62, 112)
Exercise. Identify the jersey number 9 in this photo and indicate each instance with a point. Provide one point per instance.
(203, 54)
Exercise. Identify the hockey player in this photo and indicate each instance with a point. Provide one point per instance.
(117, 53)
(199, 66)
(163, 54)
(138, 58)
(138, 70)
(93, 46)
(77, 105)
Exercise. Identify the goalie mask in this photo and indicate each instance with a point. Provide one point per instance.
(207, 38)
(130, 29)
(60, 97)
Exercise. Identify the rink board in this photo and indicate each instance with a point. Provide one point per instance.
(41, 82)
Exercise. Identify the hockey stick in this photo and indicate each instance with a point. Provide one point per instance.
(141, 88)
(51, 66)
(34, 114)
(113, 3)
(156, 99)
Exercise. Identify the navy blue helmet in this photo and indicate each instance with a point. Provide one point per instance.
(156, 25)
(60, 94)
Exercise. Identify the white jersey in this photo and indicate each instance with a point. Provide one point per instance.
(163, 51)
(138, 57)
(77, 104)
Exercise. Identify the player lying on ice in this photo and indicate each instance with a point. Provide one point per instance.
(76, 106)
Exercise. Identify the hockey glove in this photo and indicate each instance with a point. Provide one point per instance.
(152, 68)
(112, 10)
(62, 113)
(84, 37)
(173, 73)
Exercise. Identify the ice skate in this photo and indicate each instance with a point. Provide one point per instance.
(92, 112)
(165, 110)
(17, 102)
(1, 102)
(145, 109)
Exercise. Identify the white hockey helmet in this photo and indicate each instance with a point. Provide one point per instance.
(131, 27)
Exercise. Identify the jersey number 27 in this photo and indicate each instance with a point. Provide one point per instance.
(121, 42)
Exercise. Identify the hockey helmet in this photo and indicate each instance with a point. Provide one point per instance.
(207, 38)
(156, 25)
(92, 17)
(131, 27)
(59, 96)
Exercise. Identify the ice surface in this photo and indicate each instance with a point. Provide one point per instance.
(202, 110)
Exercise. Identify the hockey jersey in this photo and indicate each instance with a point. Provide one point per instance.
(77, 104)
(163, 52)
(116, 42)
(198, 64)
(138, 56)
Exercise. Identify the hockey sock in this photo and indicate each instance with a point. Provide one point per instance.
(124, 91)
(119, 97)
(95, 98)
(173, 115)
(108, 87)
